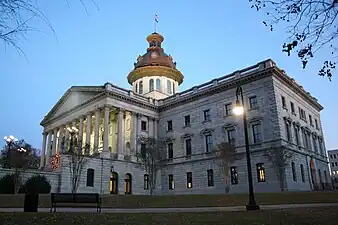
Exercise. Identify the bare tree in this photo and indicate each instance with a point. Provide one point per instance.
(16, 17)
(312, 25)
(152, 155)
(77, 159)
(20, 157)
(280, 158)
(226, 155)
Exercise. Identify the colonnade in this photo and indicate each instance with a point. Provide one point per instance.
(107, 129)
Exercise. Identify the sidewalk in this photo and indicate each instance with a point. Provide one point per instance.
(165, 210)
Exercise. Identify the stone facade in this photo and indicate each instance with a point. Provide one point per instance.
(280, 113)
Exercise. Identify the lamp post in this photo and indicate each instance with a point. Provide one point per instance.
(10, 141)
(239, 109)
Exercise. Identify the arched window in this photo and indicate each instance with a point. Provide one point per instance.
(136, 88)
(151, 85)
(140, 87)
(146, 182)
(127, 184)
(158, 84)
(173, 87)
(90, 178)
(294, 175)
(114, 178)
(169, 90)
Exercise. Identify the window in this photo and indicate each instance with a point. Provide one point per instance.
(294, 175)
(288, 130)
(325, 176)
(189, 180)
(314, 144)
(173, 87)
(253, 102)
(292, 108)
(170, 151)
(208, 143)
(206, 114)
(232, 137)
(143, 150)
(321, 147)
(169, 90)
(171, 182)
(228, 109)
(136, 88)
(332, 164)
(296, 134)
(90, 178)
(151, 84)
(331, 156)
(233, 175)
(146, 182)
(210, 178)
(143, 125)
(334, 155)
(260, 172)
(188, 147)
(169, 125)
(316, 124)
(187, 121)
(256, 131)
(140, 91)
(158, 84)
(302, 114)
(305, 140)
(283, 102)
(302, 172)
(310, 119)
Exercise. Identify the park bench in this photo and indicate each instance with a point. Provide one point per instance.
(75, 200)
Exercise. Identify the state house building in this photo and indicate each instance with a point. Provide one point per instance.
(281, 114)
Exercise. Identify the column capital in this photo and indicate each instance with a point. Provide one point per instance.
(121, 110)
(82, 118)
(138, 115)
(44, 133)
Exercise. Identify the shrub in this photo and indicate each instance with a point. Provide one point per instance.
(37, 184)
(7, 184)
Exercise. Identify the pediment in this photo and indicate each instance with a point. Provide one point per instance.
(73, 97)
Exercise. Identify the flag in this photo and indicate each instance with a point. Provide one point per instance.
(156, 18)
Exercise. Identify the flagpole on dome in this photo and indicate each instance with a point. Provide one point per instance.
(156, 18)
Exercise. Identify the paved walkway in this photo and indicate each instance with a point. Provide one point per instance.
(164, 210)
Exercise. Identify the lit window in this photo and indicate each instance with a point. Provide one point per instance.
(189, 180)
(234, 175)
(210, 174)
(146, 181)
(260, 172)
(171, 182)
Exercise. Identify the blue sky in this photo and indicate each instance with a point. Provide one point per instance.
(208, 39)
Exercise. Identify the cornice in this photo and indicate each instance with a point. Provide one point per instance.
(230, 84)
(148, 71)
(280, 75)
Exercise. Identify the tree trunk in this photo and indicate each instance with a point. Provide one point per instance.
(226, 179)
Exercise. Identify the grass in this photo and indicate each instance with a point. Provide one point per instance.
(315, 216)
(139, 201)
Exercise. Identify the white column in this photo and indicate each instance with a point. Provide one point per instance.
(81, 131)
(120, 132)
(106, 129)
(61, 133)
(96, 130)
(54, 141)
(155, 127)
(49, 148)
(43, 149)
(88, 131)
(139, 116)
(133, 132)
(66, 138)
(151, 126)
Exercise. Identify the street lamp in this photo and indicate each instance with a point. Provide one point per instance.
(239, 109)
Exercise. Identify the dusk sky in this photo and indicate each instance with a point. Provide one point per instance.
(207, 39)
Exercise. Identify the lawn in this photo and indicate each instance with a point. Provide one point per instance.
(139, 201)
(315, 216)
